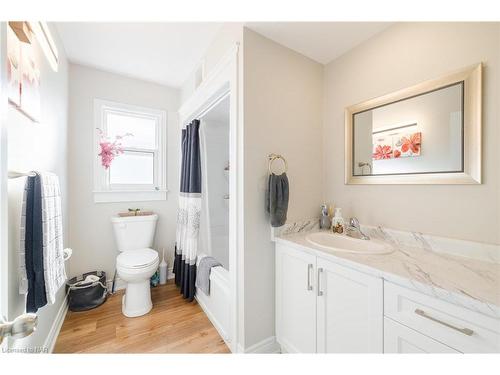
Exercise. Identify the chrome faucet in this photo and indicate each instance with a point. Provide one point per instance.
(354, 227)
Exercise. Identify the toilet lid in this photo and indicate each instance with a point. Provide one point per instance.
(137, 258)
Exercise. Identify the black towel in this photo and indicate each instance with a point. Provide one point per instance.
(36, 297)
(277, 199)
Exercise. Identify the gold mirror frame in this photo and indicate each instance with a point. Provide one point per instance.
(472, 81)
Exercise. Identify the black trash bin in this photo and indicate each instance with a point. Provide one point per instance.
(86, 295)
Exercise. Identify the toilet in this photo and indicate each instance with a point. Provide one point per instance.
(137, 262)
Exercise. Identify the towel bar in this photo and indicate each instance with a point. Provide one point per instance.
(272, 158)
(14, 174)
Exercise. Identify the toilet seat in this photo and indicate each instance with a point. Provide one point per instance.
(137, 259)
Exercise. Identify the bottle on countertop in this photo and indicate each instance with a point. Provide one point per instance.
(324, 220)
(338, 221)
(331, 207)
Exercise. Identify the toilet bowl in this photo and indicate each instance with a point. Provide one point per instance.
(137, 262)
(136, 267)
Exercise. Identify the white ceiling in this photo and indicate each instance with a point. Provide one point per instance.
(165, 53)
(320, 41)
(168, 52)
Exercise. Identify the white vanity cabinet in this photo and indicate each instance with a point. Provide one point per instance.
(326, 308)
(295, 300)
(349, 310)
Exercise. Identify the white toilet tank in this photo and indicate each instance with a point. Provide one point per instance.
(134, 232)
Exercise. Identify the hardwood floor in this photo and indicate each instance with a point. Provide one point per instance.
(172, 326)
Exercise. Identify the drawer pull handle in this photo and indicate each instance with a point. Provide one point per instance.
(309, 269)
(465, 331)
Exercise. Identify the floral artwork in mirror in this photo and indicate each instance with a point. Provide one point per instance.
(396, 143)
(385, 135)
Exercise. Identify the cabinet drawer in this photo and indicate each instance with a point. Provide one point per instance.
(459, 328)
(403, 340)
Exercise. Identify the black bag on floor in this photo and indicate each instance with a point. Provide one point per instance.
(86, 292)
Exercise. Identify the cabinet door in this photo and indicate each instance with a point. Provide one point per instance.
(398, 338)
(295, 300)
(350, 310)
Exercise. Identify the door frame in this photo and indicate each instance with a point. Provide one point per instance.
(4, 274)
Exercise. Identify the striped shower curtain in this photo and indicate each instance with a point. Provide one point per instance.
(188, 217)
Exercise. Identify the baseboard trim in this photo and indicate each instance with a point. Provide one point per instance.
(266, 346)
(51, 339)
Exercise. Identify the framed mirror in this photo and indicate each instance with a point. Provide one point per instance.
(429, 133)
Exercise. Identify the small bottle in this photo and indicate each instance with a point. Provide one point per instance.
(324, 221)
(338, 221)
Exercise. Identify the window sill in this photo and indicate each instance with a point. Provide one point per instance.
(129, 196)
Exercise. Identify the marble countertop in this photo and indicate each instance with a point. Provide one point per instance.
(418, 264)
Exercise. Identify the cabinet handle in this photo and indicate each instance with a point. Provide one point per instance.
(320, 292)
(309, 269)
(465, 331)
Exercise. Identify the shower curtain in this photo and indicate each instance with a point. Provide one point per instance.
(188, 217)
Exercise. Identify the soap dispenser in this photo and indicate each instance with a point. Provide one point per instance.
(338, 221)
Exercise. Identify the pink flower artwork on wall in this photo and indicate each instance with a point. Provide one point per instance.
(30, 83)
(23, 77)
(13, 68)
(396, 143)
(110, 149)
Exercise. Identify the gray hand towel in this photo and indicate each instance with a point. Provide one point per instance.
(277, 199)
(203, 273)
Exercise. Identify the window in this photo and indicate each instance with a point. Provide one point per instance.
(139, 173)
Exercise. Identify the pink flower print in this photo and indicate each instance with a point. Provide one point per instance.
(412, 143)
(382, 152)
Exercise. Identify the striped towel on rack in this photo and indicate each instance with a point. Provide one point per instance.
(53, 254)
(53, 272)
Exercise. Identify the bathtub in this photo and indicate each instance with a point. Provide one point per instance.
(217, 305)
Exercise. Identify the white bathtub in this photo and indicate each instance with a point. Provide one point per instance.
(217, 305)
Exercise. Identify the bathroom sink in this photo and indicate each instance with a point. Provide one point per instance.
(337, 242)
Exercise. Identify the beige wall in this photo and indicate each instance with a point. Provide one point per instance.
(401, 56)
(283, 114)
(42, 147)
(90, 230)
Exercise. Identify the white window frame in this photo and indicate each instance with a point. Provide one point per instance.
(104, 191)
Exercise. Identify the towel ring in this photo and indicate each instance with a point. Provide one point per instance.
(272, 158)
